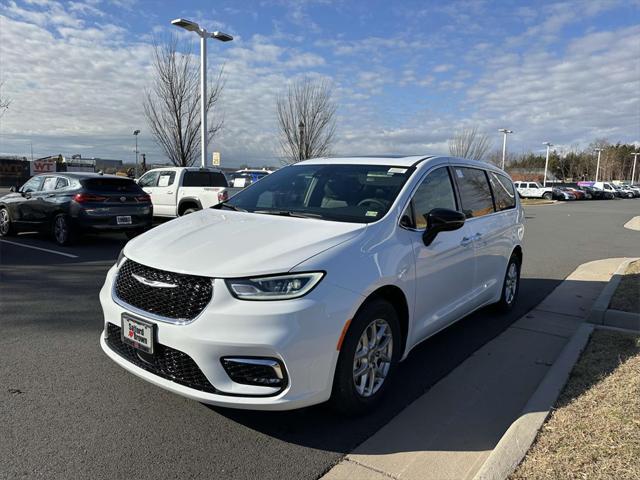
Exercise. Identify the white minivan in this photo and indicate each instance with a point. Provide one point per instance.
(315, 282)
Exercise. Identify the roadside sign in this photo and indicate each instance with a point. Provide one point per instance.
(216, 159)
(45, 165)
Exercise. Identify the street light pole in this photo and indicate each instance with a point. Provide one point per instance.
(633, 171)
(135, 134)
(202, 32)
(301, 148)
(504, 144)
(546, 163)
(599, 150)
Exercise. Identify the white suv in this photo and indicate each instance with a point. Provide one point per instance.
(314, 282)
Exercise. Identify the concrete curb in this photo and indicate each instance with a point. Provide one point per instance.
(600, 312)
(516, 441)
(633, 224)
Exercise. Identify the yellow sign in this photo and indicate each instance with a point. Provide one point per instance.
(216, 158)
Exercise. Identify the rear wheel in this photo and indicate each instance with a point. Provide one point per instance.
(62, 232)
(6, 227)
(189, 210)
(368, 358)
(510, 286)
(547, 196)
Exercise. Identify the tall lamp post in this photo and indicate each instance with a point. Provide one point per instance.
(223, 37)
(135, 134)
(633, 170)
(505, 131)
(546, 163)
(599, 150)
(301, 131)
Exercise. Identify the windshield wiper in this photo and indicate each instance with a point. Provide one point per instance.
(229, 206)
(289, 213)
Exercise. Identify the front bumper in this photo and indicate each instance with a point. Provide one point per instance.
(301, 333)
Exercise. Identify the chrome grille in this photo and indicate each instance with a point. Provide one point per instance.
(173, 296)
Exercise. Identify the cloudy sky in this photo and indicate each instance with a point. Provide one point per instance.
(406, 75)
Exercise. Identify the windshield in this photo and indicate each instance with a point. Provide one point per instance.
(346, 193)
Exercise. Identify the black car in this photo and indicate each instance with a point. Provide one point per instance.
(598, 194)
(67, 204)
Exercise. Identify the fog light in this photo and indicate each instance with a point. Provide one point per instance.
(263, 372)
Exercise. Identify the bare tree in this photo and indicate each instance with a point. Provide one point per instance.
(4, 101)
(469, 143)
(306, 120)
(172, 105)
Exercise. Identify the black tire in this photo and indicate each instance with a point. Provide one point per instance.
(7, 229)
(508, 296)
(345, 397)
(189, 210)
(547, 196)
(62, 231)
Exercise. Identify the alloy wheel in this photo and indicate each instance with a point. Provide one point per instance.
(4, 222)
(511, 283)
(61, 230)
(373, 356)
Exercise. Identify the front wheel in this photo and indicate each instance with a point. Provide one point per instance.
(547, 196)
(368, 358)
(6, 227)
(190, 210)
(510, 286)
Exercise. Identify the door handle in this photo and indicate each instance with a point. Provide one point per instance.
(51, 195)
(477, 236)
(169, 193)
(466, 241)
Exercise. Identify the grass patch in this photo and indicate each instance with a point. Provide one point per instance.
(627, 296)
(593, 431)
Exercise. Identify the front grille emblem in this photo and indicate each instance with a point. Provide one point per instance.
(153, 283)
(123, 199)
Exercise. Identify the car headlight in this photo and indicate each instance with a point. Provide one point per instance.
(275, 287)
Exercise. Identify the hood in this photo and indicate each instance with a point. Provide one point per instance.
(226, 244)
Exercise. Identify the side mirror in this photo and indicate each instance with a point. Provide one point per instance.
(441, 220)
(13, 189)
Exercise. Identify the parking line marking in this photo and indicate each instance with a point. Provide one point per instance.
(40, 248)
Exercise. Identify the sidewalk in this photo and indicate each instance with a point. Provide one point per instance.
(450, 431)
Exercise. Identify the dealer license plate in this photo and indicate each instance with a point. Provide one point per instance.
(137, 333)
(123, 219)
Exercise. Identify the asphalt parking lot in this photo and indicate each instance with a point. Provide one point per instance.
(67, 411)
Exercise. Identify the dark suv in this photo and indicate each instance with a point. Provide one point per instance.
(67, 204)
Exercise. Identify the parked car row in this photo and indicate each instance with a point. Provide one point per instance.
(584, 191)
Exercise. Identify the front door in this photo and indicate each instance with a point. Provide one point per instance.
(445, 268)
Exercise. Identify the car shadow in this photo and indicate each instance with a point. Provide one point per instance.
(320, 427)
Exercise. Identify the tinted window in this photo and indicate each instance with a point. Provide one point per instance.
(475, 193)
(503, 192)
(110, 184)
(32, 185)
(347, 193)
(149, 179)
(49, 184)
(62, 183)
(165, 179)
(435, 191)
(204, 179)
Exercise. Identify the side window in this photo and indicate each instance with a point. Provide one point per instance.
(475, 193)
(502, 191)
(33, 185)
(149, 179)
(49, 184)
(435, 191)
(166, 178)
(62, 183)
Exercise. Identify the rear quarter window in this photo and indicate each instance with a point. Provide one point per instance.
(503, 191)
